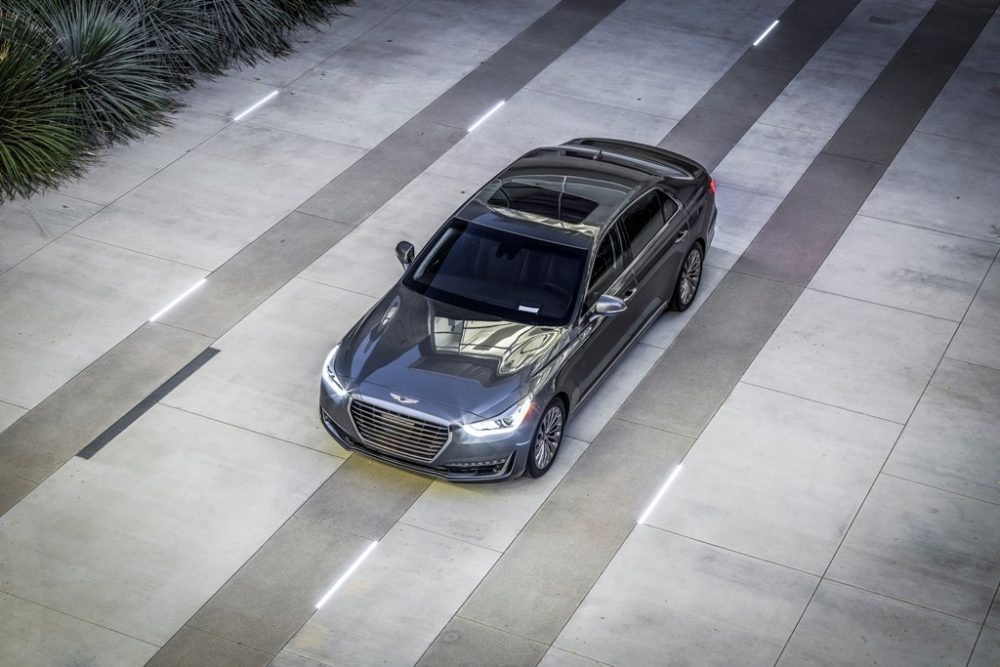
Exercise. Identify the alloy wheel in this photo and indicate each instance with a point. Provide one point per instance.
(690, 276)
(548, 437)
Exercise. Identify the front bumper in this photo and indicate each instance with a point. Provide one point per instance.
(462, 459)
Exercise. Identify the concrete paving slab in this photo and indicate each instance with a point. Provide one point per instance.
(770, 160)
(121, 168)
(537, 118)
(852, 354)
(137, 538)
(614, 390)
(742, 214)
(584, 523)
(224, 96)
(556, 657)
(695, 375)
(861, 47)
(987, 652)
(311, 47)
(993, 618)
(255, 273)
(71, 302)
(454, 23)
(960, 199)
(365, 260)
(489, 515)
(665, 595)
(593, 69)
(288, 659)
(267, 377)
(365, 498)
(411, 583)
(922, 545)
(906, 267)
(265, 603)
(977, 336)
(194, 648)
(464, 642)
(969, 105)
(816, 101)
(205, 207)
(776, 477)
(41, 441)
(734, 20)
(31, 634)
(10, 413)
(849, 626)
(29, 224)
(952, 441)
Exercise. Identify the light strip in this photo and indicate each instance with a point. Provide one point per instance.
(663, 489)
(489, 113)
(346, 575)
(272, 94)
(764, 34)
(176, 301)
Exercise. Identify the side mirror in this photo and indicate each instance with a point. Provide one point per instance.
(609, 306)
(405, 252)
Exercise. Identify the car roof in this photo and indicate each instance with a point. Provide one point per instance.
(567, 194)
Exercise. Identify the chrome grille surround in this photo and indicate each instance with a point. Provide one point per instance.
(398, 433)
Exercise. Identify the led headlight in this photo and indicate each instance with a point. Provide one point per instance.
(330, 375)
(506, 422)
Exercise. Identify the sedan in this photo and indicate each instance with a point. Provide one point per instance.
(506, 321)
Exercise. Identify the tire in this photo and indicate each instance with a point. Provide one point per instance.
(548, 435)
(689, 279)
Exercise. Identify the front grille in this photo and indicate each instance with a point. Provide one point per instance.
(398, 434)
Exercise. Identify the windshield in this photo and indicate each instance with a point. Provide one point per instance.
(514, 277)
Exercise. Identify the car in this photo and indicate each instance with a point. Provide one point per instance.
(504, 324)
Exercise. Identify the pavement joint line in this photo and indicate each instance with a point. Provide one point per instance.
(167, 404)
(78, 618)
(445, 535)
(818, 402)
(577, 98)
(915, 225)
(143, 406)
(971, 363)
(78, 235)
(951, 492)
(900, 600)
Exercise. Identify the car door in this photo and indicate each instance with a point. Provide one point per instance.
(599, 339)
(655, 242)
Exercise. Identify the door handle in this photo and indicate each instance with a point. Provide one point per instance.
(681, 236)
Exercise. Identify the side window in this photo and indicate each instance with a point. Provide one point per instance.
(641, 222)
(608, 265)
(669, 206)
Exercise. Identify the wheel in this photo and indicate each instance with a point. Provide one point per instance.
(689, 279)
(547, 438)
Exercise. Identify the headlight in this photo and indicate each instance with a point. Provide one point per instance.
(330, 375)
(506, 422)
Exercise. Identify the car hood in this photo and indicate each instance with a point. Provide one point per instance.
(458, 360)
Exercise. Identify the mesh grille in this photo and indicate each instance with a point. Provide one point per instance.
(398, 434)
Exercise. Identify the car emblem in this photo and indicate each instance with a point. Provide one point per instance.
(405, 400)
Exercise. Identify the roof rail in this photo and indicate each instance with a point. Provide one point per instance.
(647, 166)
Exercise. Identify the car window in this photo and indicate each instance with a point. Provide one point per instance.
(518, 278)
(641, 222)
(669, 205)
(609, 263)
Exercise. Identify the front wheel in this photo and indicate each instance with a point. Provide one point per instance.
(548, 437)
(689, 279)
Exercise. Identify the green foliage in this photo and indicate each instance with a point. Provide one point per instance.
(39, 144)
(80, 74)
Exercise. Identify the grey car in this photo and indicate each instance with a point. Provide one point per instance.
(506, 321)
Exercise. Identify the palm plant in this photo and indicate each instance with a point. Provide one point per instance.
(310, 12)
(117, 78)
(246, 31)
(179, 33)
(39, 144)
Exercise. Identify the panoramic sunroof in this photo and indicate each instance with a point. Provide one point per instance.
(542, 197)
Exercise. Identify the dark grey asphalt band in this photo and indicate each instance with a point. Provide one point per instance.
(536, 586)
(731, 107)
(143, 406)
(50, 434)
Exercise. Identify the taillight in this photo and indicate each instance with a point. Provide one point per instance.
(711, 185)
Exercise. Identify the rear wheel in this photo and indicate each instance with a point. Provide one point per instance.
(687, 282)
(548, 437)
